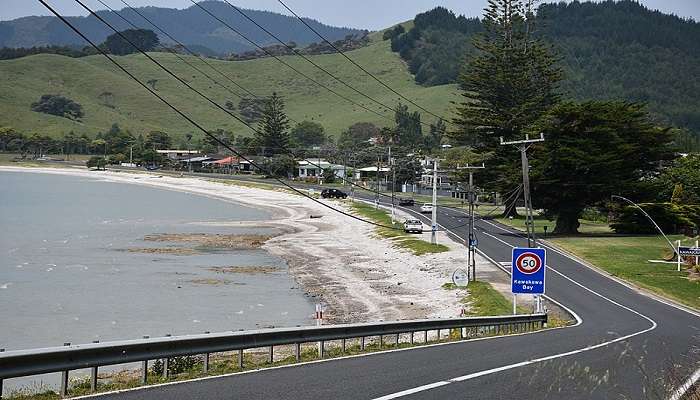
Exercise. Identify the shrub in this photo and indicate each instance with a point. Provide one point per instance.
(672, 218)
(97, 162)
(59, 106)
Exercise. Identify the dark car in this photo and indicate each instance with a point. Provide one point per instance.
(333, 194)
(407, 202)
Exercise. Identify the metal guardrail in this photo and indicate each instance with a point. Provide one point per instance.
(14, 364)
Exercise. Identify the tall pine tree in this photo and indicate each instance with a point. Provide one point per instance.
(510, 85)
(272, 136)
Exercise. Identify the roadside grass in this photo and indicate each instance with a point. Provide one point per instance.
(257, 359)
(587, 227)
(397, 235)
(626, 257)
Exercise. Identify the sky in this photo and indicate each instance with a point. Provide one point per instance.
(367, 14)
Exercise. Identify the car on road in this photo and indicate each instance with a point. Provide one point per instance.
(407, 202)
(333, 194)
(426, 208)
(413, 226)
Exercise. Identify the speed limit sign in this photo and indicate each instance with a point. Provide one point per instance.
(529, 267)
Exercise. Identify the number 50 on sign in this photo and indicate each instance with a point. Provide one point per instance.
(529, 267)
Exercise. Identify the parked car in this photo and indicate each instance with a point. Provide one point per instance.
(407, 202)
(413, 226)
(426, 208)
(333, 194)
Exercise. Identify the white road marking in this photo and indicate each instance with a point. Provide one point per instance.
(538, 360)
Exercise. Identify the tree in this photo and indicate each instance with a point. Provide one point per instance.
(594, 150)
(357, 135)
(98, 163)
(59, 106)
(272, 135)
(408, 129)
(158, 140)
(680, 183)
(434, 139)
(308, 134)
(250, 109)
(144, 39)
(507, 87)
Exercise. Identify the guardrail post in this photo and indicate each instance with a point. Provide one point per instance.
(205, 362)
(64, 380)
(240, 358)
(271, 355)
(144, 368)
(1, 351)
(93, 374)
(297, 351)
(398, 340)
(425, 337)
(381, 341)
(321, 349)
(342, 346)
(166, 364)
(461, 333)
(362, 343)
(412, 338)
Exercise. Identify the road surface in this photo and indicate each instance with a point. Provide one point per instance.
(625, 346)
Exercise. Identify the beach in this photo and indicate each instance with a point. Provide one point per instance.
(338, 261)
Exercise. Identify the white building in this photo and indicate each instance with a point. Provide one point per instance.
(310, 169)
(178, 154)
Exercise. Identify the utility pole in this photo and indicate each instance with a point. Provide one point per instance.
(379, 189)
(523, 146)
(471, 260)
(393, 182)
(433, 236)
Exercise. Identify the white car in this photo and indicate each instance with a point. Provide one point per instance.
(413, 226)
(426, 208)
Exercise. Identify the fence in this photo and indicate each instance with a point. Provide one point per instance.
(14, 364)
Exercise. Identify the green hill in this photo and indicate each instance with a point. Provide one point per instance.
(608, 49)
(108, 96)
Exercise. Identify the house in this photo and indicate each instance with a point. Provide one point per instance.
(195, 162)
(309, 169)
(177, 155)
(426, 179)
(226, 165)
(370, 174)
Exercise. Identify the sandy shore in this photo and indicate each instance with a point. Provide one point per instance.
(338, 260)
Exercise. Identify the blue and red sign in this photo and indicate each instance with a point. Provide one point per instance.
(529, 267)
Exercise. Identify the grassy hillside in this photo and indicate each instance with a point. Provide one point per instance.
(87, 80)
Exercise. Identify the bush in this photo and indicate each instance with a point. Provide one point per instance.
(176, 365)
(97, 162)
(672, 218)
(59, 106)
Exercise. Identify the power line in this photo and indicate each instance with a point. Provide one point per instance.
(174, 52)
(181, 113)
(289, 151)
(339, 51)
(182, 45)
(290, 66)
(307, 59)
(227, 112)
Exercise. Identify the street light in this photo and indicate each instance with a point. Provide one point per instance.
(675, 252)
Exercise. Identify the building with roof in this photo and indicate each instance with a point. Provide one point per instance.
(313, 169)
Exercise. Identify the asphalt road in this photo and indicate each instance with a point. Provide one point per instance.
(625, 346)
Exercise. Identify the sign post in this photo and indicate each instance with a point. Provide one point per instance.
(528, 277)
(687, 252)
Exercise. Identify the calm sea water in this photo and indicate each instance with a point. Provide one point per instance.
(65, 277)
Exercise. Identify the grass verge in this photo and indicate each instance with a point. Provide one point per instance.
(397, 235)
(627, 257)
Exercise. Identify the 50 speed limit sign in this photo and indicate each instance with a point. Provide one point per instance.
(529, 266)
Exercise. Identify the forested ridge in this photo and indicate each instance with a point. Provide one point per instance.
(608, 50)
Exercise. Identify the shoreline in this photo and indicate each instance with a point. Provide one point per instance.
(337, 260)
